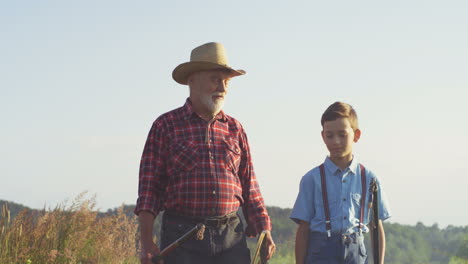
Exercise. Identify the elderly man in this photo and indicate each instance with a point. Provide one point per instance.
(196, 167)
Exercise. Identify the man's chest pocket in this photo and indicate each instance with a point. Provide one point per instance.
(183, 156)
(232, 154)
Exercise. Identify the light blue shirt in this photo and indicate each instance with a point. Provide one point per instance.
(344, 198)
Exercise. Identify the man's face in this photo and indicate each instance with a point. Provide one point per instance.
(339, 138)
(208, 90)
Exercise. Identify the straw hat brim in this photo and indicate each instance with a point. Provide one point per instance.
(182, 72)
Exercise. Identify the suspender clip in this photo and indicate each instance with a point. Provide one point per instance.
(329, 233)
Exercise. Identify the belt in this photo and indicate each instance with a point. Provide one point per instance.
(345, 238)
(212, 221)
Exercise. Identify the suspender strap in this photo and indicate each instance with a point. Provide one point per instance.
(325, 200)
(363, 195)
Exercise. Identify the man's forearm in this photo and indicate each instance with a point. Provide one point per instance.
(146, 227)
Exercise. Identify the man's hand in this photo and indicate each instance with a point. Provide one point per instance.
(148, 247)
(270, 245)
(149, 251)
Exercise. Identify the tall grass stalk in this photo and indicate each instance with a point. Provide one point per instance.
(68, 234)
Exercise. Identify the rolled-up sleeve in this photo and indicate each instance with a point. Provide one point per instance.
(152, 176)
(254, 208)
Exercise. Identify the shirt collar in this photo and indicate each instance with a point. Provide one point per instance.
(330, 166)
(189, 112)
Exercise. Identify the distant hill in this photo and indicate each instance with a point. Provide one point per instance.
(405, 244)
(14, 208)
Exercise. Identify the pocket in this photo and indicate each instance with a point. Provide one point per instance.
(362, 248)
(172, 230)
(318, 246)
(232, 154)
(184, 156)
(234, 234)
(356, 197)
(236, 225)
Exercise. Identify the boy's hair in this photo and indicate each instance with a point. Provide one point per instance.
(341, 110)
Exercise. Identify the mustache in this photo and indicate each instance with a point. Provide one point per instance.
(218, 94)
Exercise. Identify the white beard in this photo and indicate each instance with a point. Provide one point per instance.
(214, 107)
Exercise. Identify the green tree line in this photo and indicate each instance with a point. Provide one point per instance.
(406, 244)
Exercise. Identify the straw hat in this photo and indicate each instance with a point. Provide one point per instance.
(208, 56)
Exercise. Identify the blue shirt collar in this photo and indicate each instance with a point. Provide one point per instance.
(331, 167)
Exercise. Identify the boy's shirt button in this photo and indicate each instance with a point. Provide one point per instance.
(344, 199)
(344, 180)
(345, 218)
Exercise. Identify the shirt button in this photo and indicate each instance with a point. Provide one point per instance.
(344, 199)
(345, 218)
(214, 192)
(344, 180)
(211, 157)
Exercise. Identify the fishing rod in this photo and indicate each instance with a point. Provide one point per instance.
(261, 250)
(375, 221)
(198, 230)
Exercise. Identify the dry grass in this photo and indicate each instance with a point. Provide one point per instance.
(68, 234)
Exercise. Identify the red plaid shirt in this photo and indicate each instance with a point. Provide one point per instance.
(200, 168)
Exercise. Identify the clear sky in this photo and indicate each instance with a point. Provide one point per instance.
(82, 81)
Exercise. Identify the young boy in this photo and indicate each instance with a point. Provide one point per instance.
(330, 229)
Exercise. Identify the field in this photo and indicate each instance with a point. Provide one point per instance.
(74, 232)
(68, 234)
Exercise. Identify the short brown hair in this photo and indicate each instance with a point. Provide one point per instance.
(341, 110)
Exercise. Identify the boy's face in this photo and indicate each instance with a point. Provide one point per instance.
(339, 138)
